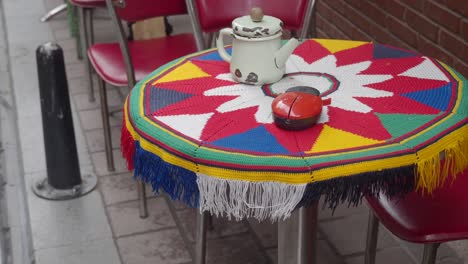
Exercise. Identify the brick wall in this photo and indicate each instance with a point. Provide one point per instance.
(437, 28)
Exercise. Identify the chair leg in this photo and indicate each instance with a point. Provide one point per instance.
(105, 125)
(142, 204)
(200, 238)
(84, 14)
(55, 11)
(91, 26)
(371, 241)
(90, 71)
(430, 253)
(211, 40)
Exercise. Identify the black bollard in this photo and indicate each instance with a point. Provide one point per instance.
(64, 179)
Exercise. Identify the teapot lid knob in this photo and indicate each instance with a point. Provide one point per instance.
(256, 14)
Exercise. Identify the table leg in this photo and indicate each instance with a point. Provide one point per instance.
(297, 236)
(200, 238)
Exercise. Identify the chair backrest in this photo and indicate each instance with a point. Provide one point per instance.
(135, 10)
(212, 15)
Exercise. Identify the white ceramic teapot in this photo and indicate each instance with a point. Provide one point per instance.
(257, 55)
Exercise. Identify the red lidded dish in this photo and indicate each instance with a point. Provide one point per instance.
(296, 110)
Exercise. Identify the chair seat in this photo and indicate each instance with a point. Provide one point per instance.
(88, 3)
(438, 217)
(147, 55)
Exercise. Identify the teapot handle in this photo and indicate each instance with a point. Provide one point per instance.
(220, 43)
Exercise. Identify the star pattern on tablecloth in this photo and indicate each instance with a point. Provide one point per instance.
(370, 89)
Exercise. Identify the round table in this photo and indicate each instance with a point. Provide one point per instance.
(193, 132)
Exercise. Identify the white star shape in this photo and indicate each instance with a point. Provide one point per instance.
(352, 85)
(247, 96)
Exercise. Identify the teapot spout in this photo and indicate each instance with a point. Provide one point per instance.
(282, 55)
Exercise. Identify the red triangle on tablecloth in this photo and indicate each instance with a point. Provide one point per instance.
(365, 125)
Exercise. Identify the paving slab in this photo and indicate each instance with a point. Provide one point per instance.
(385, 256)
(91, 119)
(348, 234)
(118, 188)
(222, 227)
(266, 232)
(235, 249)
(125, 217)
(94, 251)
(114, 99)
(60, 223)
(100, 163)
(95, 139)
(161, 247)
(445, 254)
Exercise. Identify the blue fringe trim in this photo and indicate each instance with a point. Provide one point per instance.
(181, 185)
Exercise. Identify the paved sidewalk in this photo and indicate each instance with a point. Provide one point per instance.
(103, 227)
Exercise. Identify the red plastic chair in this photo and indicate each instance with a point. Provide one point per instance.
(125, 62)
(422, 218)
(85, 15)
(209, 16)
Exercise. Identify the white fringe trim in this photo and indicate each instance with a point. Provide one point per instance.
(241, 199)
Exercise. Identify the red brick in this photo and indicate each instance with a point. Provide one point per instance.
(393, 7)
(461, 67)
(402, 31)
(326, 17)
(459, 6)
(329, 15)
(324, 10)
(454, 45)
(415, 4)
(329, 29)
(369, 10)
(340, 22)
(320, 24)
(383, 36)
(358, 19)
(321, 34)
(357, 34)
(464, 29)
(336, 5)
(346, 26)
(422, 25)
(442, 16)
(430, 49)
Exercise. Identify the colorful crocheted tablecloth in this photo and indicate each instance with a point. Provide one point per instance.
(193, 132)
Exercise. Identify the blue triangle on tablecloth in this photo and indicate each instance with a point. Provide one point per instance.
(214, 55)
(438, 98)
(160, 98)
(257, 139)
(383, 51)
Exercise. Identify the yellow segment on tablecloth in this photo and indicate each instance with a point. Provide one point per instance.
(335, 45)
(332, 139)
(183, 72)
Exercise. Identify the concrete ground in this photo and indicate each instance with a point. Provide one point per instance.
(104, 226)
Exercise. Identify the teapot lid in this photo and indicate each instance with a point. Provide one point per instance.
(256, 25)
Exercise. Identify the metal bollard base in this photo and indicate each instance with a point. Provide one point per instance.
(43, 189)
